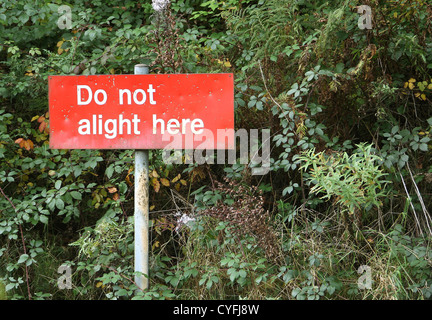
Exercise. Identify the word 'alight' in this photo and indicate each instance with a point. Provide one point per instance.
(109, 127)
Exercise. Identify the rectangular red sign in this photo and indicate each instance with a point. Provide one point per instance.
(176, 111)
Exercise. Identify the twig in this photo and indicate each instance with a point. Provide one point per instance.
(425, 212)
(412, 206)
(77, 41)
(211, 179)
(265, 86)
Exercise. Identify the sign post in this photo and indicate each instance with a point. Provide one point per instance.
(141, 214)
(142, 111)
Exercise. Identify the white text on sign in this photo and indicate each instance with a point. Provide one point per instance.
(111, 128)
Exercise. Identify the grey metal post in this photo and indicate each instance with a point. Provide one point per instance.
(141, 214)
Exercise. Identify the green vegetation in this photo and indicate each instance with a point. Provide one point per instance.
(349, 111)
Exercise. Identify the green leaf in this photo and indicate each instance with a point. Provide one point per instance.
(23, 18)
(23, 258)
(59, 203)
(209, 284)
(295, 292)
(259, 105)
(423, 147)
(10, 286)
(51, 204)
(43, 219)
(109, 171)
(121, 292)
(65, 68)
(339, 67)
(233, 274)
(58, 184)
(76, 195)
(77, 171)
(252, 103)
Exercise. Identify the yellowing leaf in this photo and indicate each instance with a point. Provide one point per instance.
(112, 189)
(152, 207)
(34, 118)
(59, 44)
(43, 127)
(227, 64)
(156, 184)
(176, 178)
(128, 181)
(26, 144)
(99, 284)
(29, 145)
(423, 97)
(165, 182)
(154, 174)
(183, 182)
(155, 245)
(430, 86)
(412, 80)
(411, 85)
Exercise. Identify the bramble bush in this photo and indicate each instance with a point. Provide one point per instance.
(304, 70)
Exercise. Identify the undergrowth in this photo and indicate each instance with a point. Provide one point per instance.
(343, 212)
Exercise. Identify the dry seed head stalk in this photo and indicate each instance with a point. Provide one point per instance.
(246, 216)
(166, 36)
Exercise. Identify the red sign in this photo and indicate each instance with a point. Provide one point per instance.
(176, 111)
